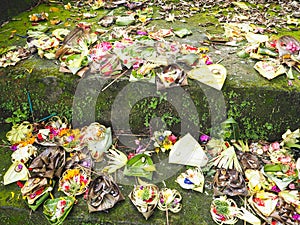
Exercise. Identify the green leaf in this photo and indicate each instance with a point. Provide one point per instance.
(125, 20)
(182, 32)
(140, 165)
(272, 168)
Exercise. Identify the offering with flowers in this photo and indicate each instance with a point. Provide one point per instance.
(56, 210)
(145, 198)
(70, 141)
(164, 140)
(193, 179)
(51, 134)
(169, 200)
(223, 210)
(74, 182)
(36, 191)
(97, 138)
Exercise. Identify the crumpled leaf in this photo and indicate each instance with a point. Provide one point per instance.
(49, 163)
(107, 65)
(97, 138)
(103, 194)
(229, 182)
(144, 73)
(60, 33)
(241, 5)
(189, 59)
(107, 21)
(161, 34)
(125, 20)
(171, 76)
(291, 138)
(56, 210)
(290, 196)
(260, 38)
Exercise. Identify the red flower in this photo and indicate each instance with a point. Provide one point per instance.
(259, 202)
(40, 137)
(130, 155)
(40, 191)
(172, 138)
(63, 202)
(20, 184)
(67, 187)
(51, 136)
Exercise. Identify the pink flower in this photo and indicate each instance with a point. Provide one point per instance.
(275, 146)
(106, 46)
(265, 148)
(140, 32)
(204, 138)
(292, 47)
(172, 138)
(208, 60)
(285, 159)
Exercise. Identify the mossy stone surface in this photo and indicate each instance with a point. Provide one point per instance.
(263, 109)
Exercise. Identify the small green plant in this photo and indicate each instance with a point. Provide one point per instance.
(21, 114)
(229, 130)
(154, 107)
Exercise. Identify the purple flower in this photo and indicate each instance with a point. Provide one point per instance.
(140, 32)
(204, 138)
(139, 149)
(296, 216)
(70, 138)
(161, 138)
(275, 189)
(162, 200)
(290, 83)
(20, 166)
(14, 147)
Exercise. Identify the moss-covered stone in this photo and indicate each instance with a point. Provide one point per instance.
(263, 109)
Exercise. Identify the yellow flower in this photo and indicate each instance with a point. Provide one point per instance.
(167, 144)
(70, 174)
(68, 6)
(28, 141)
(143, 18)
